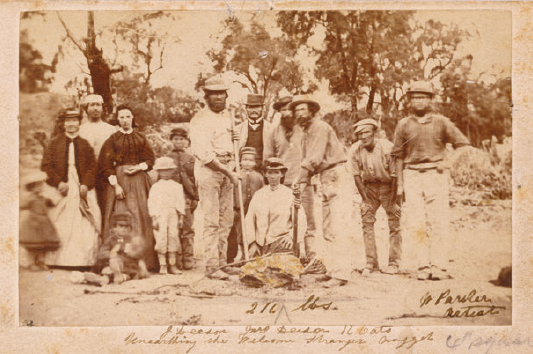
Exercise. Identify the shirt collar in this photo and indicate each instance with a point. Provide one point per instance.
(71, 136)
(125, 132)
(256, 124)
(425, 119)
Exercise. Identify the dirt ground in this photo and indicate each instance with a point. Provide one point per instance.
(480, 232)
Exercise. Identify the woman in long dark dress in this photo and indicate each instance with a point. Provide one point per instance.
(124, 162)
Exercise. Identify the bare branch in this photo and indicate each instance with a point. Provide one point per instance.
(160, 59)
(69, 34)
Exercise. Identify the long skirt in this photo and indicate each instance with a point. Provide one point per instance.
(136, 189)
(78, 224)
(37, 233)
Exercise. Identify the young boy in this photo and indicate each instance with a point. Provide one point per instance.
(185, 176)
(166, 205)
(252, 181)
(126, 250)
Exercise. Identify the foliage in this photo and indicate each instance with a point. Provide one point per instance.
(373, 53)
(479, 110)
(143, 39)
(33, 74)
(264, 64)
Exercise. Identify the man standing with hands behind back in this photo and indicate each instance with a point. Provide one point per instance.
(211, 143)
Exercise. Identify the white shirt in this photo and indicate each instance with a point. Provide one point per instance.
(211, 135)
(96, 134)
(165, 196)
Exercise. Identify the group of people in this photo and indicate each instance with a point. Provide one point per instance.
(264, 205)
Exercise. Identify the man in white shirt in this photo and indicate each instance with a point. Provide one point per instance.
(211, 144)
(96, 132)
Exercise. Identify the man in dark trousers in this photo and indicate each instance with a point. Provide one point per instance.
(375, 177)
(185, 176)
(423, 173)
(255, 131)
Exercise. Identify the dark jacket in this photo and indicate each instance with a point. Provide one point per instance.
(185, 174)
(55, 161)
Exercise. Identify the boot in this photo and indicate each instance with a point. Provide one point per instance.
(172, 269)
(188, 253)
(162, 263)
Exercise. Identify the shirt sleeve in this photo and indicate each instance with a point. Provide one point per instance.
(107, 158)
(147, 154)
(316, 148)
(353, 161)
(268, 146)
(152, 201)
(387, 147)
(249, 222)
(398, 149)
(453, 135)
(47, 165)
(201, 141)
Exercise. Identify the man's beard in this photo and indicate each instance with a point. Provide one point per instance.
(217, 106)
(287, 122)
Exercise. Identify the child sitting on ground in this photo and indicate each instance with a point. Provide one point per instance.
(166, 205)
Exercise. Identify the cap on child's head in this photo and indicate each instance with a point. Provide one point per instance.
(124, 216)
(179, 131)
(164, 163)
(248, 151)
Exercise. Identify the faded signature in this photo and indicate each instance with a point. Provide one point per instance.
(472, 341)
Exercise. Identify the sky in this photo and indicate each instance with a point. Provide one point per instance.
(200, 31)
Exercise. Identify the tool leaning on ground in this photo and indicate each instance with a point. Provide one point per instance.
(239, 186)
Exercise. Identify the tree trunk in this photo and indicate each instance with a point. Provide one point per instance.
(99, 69)
(370, 103)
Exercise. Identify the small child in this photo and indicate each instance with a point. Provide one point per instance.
(166, 205)
(185, 176)
(37, 233)
(126, 250)
(251, 182)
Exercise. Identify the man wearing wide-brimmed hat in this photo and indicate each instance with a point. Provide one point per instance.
(285, 140)
(256, 130)
(323, 155)
(211, 144)
(375, 176)
(419, 148)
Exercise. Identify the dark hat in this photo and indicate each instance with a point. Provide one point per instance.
(421, 87)
(313, 105)
(254, 100)
(69, 113)
(121, 216)
(179, 131)
(275, 163)
(248, 150)
(282, 102)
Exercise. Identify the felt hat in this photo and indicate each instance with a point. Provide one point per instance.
(179, 131)
(313, 105)
(421, 87)
(93, 99)
(215, 83)
(275, 164)
(363, 123)
(164, 163)
(248, 151)
(254, 100)
(282, 102)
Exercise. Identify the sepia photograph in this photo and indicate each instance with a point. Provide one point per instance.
(258, 168)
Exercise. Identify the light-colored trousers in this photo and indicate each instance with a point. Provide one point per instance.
(426, 217)
(216, 201)
(167, 237)
(337, 255)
